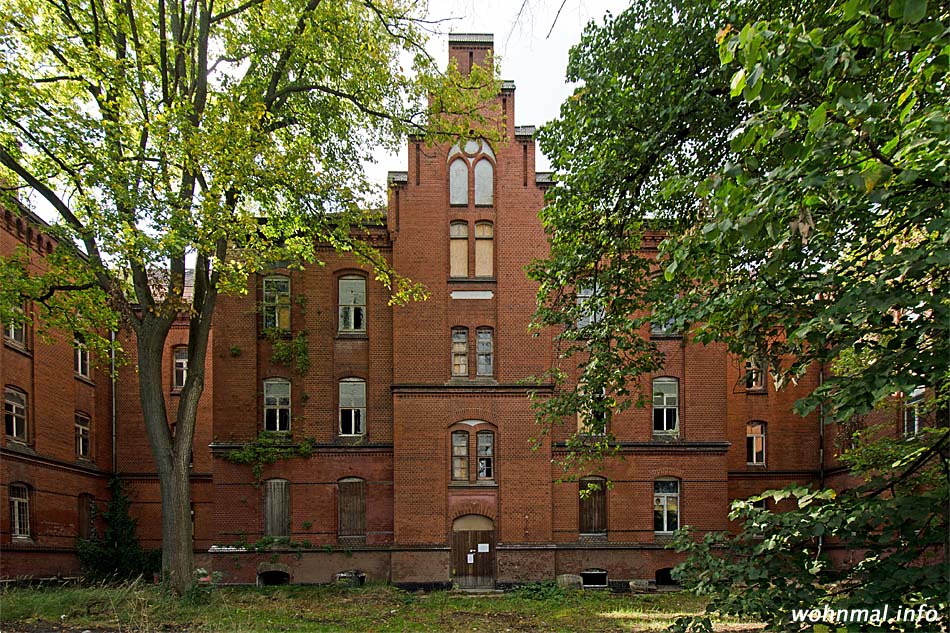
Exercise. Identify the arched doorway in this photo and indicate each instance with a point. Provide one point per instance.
(473, 552)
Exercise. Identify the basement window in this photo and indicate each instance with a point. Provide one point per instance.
(269, 578)
(594, 578)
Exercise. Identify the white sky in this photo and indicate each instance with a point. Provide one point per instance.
(534, 61)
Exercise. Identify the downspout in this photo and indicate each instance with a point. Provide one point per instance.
(821, 428)
(113, 403)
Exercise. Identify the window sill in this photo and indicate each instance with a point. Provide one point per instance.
(176, 391)
(756, 392)
(476, 484)
(665, 336)
(472, 280)
(755, 466)
(85, 379)
(662, 537)
(17, 445)
(480, 381)
(358, 336)
(668, 436)
(16, 347)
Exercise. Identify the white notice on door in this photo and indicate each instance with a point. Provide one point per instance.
(483, 547)
(471, 559)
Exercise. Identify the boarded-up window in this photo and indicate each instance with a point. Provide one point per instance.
(460, 352)
(277, 507)
(458, 249)
(352, 507)
(87, 516)
(484, 182)
(484, 249)
(593, 506)
(458, 182)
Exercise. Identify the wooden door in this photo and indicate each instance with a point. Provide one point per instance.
(473, 559)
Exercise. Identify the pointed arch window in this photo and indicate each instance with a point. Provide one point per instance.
(458, 182)
(484, 183)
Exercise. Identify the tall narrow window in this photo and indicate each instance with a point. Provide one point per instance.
(276, 305)
(80, 358)
(352, 304)
(19, 511)
(458, 182)
(180, 371)
(912, 416)
(352, 406)
(592, 508)
(277, 507)
(665, 406)
(485, 454)
(588, 309)
(485, 351)
(484, 182)
(484, 249)
(460, 456)
(351, 508)
(755, 443)
(460, 352)
(458, 249)
(276, 404)
(666, 505)
(81, 426)
(15, 332)
(14, 413)
(754, 375)
(85, 526)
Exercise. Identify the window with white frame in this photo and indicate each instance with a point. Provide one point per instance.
(19, 511)
(662, 327)
(754, 375)
(275, 307)
(665, 406)
(180, 370)
(589, 312)
(592, 416)
(81, 425)
(485, 454)
(666, 505)
(14, 413)
(755, 443)
(460, 352)
(352, 304)
(352, 406)
(80, 358)
(276, 404)
(484, 349)
(912, 414)
(15, 331)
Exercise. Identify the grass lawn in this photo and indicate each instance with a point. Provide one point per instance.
(144, 608)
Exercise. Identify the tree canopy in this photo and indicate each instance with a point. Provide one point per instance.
(792, 162)
(231, 134)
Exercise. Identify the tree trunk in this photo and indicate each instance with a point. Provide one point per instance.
(172, 456)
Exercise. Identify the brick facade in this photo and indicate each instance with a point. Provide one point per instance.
(411, 510)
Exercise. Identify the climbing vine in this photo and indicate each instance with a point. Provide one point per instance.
(267, 449)
(291, 352)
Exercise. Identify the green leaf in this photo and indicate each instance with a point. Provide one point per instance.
(737, 83)
(817, 118)
(914, 11)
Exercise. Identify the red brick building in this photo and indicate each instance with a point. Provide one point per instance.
(419, 463)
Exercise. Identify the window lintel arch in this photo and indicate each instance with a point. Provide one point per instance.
(470, 423)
